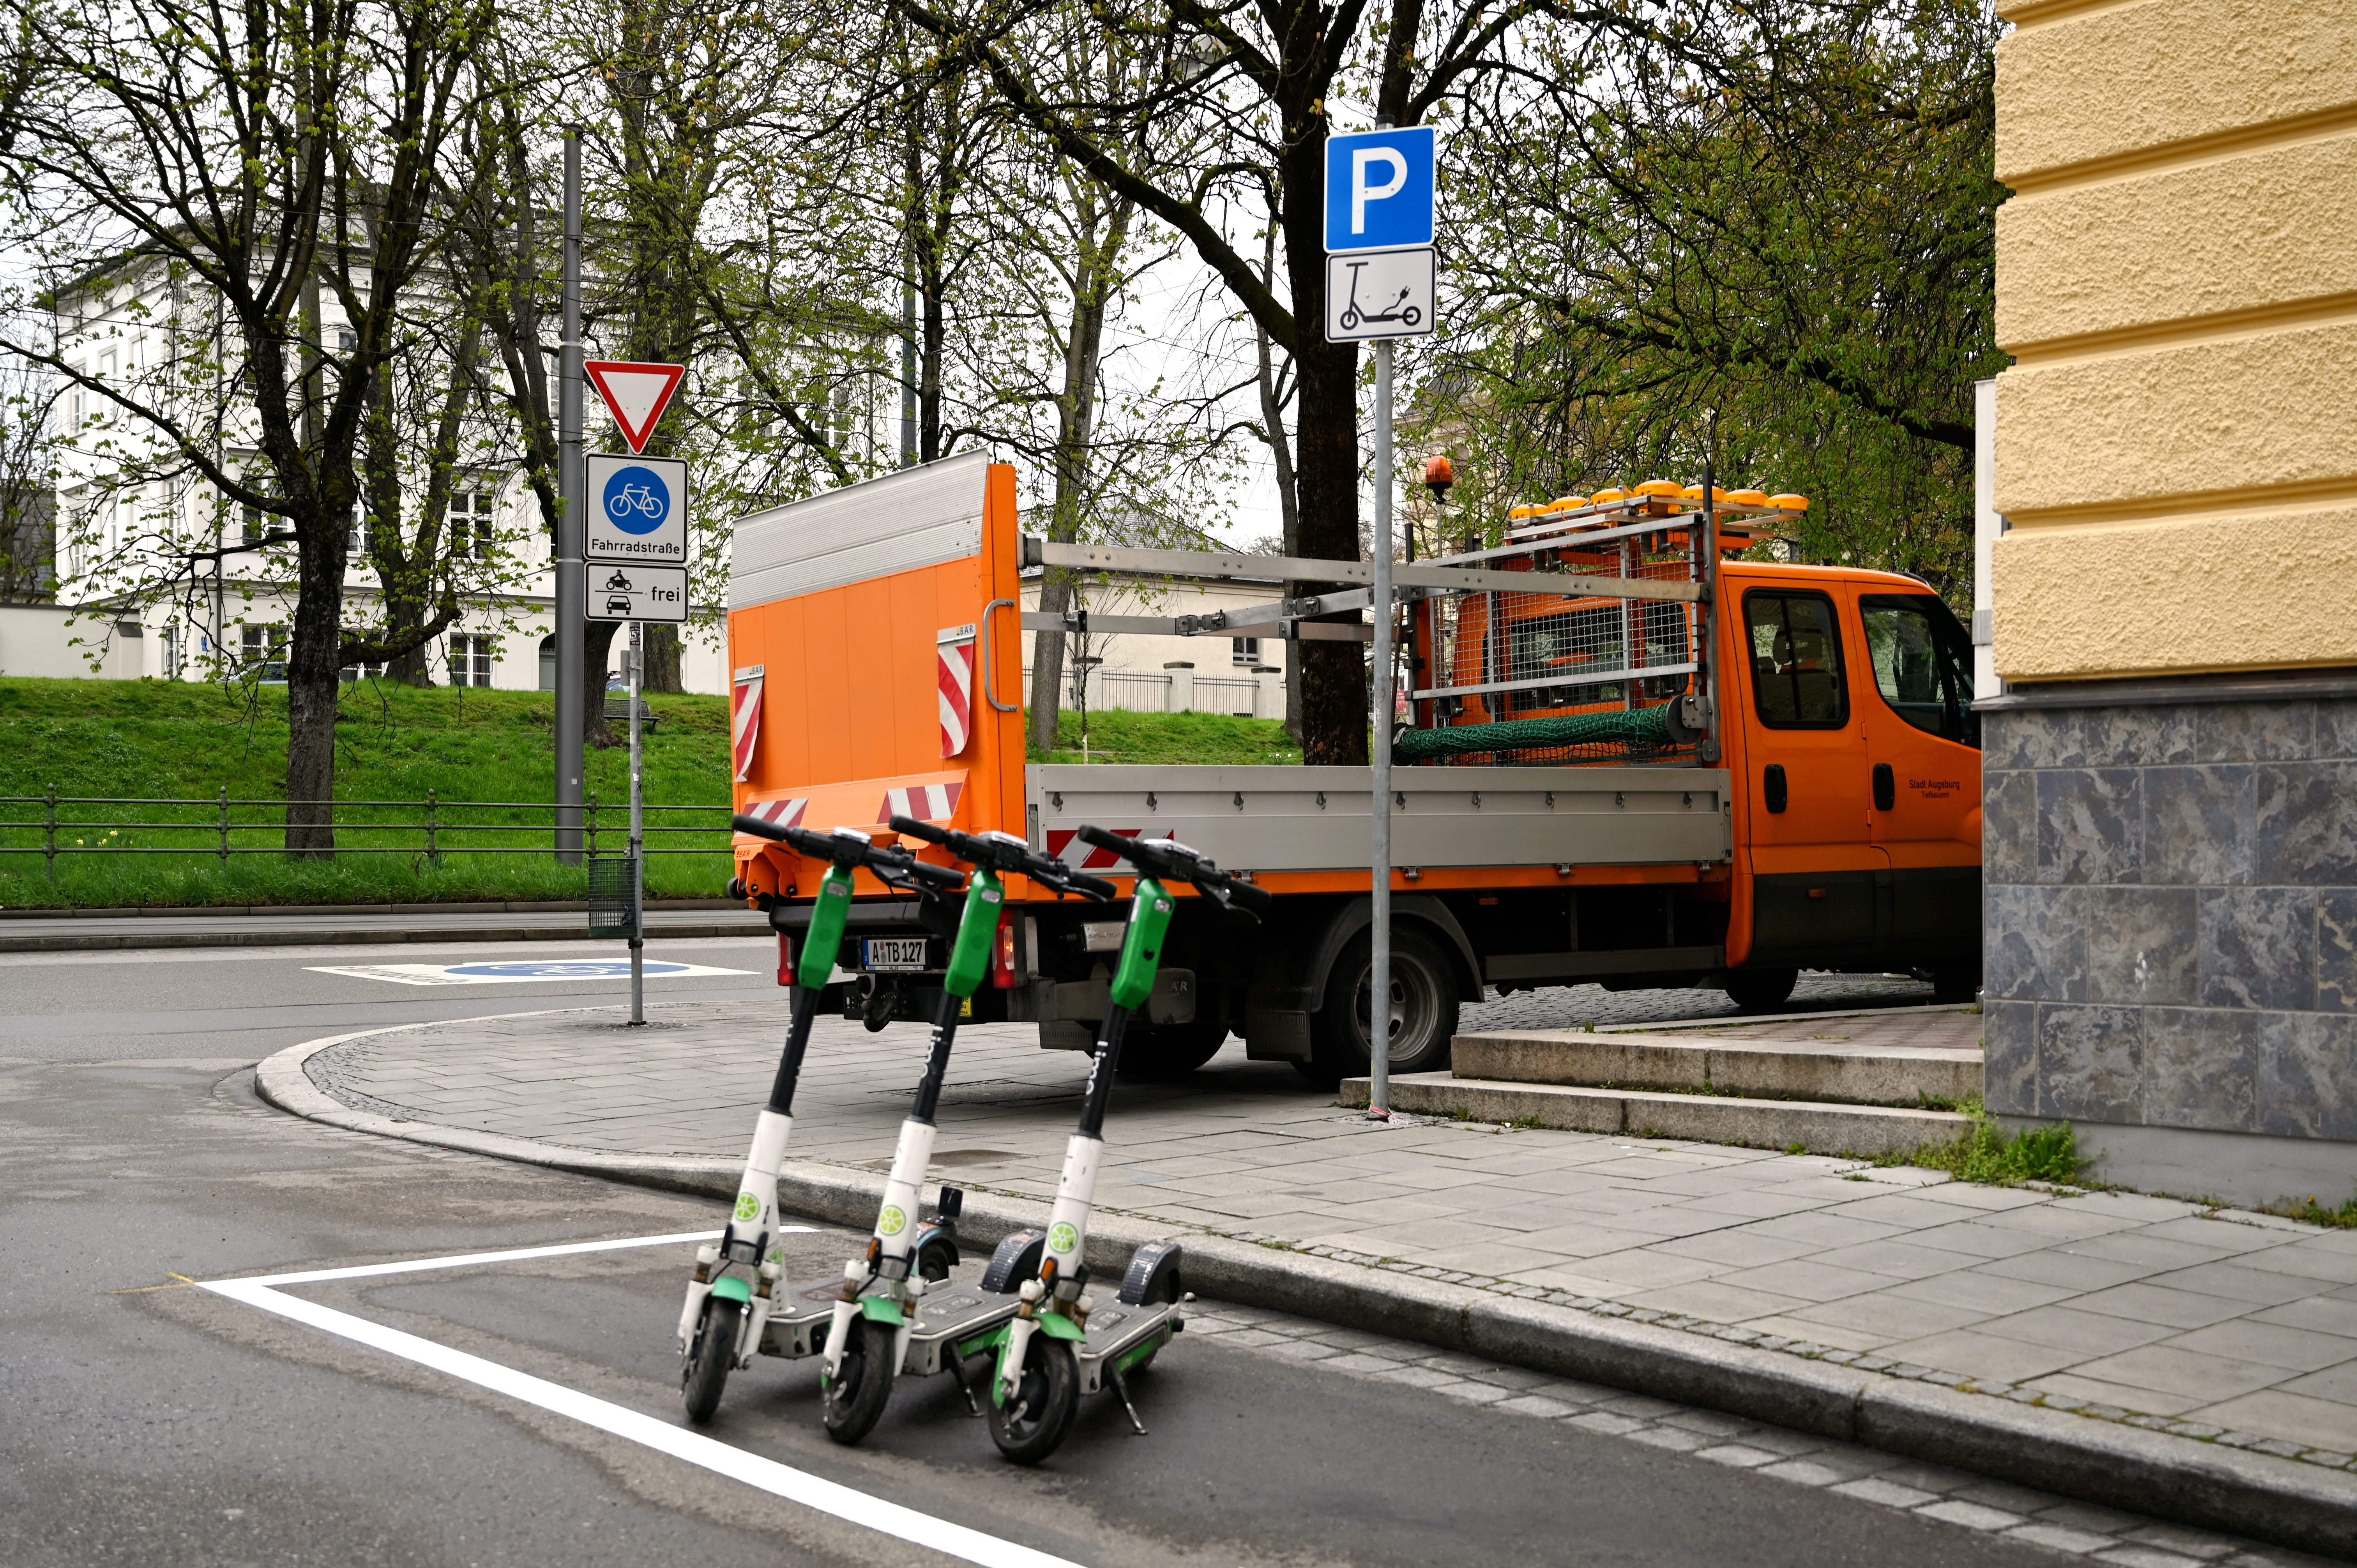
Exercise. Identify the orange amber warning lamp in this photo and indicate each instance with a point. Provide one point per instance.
(1438, 477)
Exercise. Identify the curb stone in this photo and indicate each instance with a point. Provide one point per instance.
(2215, 1482)
(351, 937)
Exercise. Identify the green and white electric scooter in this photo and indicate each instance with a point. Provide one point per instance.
(1059, 1344)
(885, 1324)
(740, 1280)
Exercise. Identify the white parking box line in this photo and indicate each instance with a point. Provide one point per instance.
(765, 1474)
(470, 1260)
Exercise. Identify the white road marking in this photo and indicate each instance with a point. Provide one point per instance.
(511, 972)
(766, 1475)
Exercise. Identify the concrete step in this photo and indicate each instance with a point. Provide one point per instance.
(1836, 1071)
(1820, 1129)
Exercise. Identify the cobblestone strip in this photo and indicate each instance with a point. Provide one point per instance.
(1857, 1361)
(1954, 1496)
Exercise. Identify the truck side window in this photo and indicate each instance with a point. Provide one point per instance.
(1922, 664)
(1796, 663)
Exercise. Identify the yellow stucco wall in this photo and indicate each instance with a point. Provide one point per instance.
(2177, 281)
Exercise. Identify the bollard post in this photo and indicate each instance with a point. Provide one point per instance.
(433, 843)
(224, 825)
(49, 842)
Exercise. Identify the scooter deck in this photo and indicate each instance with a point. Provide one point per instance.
(955, 1309)
(1120, 1335)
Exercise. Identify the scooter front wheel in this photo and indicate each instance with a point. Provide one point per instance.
(1037, 1415)
(706, 1373)
(855, 1397)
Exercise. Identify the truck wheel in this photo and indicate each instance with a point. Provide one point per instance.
(1423, 1011)
(1169, 1051)
(1757, 990)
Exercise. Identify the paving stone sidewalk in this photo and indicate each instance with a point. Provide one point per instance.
(2235, 1327)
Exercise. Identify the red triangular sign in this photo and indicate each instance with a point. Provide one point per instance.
(636, 395)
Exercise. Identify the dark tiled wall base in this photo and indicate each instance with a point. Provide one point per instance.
(2171, 917)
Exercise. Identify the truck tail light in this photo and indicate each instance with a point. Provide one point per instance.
(1002, 956)
(785, 958)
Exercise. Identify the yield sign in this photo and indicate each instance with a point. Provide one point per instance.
(635, 393)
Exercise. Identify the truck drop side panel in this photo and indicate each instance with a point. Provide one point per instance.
(1281, 823)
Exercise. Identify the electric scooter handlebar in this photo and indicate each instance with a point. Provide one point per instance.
(1005, 853)
(847, 847)
(1170, 860)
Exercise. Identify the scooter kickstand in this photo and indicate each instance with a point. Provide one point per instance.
(957, 1368)
(1121, 1387)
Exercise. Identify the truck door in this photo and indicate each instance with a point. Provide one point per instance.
(1815, 870)
(1923, 741)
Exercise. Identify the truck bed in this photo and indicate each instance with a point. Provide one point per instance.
(1283, 818)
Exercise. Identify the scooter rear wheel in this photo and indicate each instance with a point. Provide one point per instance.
(855, 1398)
(706, 1371)
(1047, 1396)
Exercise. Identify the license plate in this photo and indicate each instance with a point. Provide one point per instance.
(892, 953)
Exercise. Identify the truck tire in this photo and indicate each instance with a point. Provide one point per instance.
(1757, 990)
(1169, 1050)
(1422, 1009)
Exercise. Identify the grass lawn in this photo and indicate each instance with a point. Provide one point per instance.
(1115, 735)
(179, 740)
(154, 740)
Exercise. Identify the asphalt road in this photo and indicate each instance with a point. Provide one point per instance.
(144, 1419)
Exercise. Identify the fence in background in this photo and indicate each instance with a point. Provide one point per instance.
(430, 829)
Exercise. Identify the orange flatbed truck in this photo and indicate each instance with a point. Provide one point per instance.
(1791, 777)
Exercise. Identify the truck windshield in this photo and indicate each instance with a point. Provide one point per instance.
(1921, 661)
(1796, 663)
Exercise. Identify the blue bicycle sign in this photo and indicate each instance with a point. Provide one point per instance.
(637, 499)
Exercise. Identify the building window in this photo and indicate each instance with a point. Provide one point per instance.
(471, 525)
(470, 661)
(262, 652)
(1246, 650)
(363, 671)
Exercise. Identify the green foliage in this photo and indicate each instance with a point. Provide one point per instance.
(2342, 1218)
(1769, 239)
(1118, 736)
(174, 740)
(1983, 1153)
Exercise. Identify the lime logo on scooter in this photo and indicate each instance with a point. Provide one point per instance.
(749, 1208)
(891, 1221)
(1062, 1237)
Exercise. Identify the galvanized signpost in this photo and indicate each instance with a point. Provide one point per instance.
(633, 534)
(1379, 277)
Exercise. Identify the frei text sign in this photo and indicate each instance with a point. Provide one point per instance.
(636, 395)
(1379, 190)
(637, 510)
(638, 593)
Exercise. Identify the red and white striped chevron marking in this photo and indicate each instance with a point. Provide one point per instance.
(779, 813)
(926, 802)
(955, 681)
(1062, 841)
(745, 718)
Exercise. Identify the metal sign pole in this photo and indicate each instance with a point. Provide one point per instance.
(1379, 746)
(572, 705)
(637, 839)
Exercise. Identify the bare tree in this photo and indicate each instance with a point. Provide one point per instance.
(180, 168)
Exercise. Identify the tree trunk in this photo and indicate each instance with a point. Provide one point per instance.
(312, 691)
(662, 658)
(597, 645)
(1326, 464)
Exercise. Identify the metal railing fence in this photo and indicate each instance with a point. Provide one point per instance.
(431, 829)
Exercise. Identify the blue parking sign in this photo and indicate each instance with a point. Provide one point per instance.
(1379, 190)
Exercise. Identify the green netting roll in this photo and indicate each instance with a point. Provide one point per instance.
(1640, 726)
